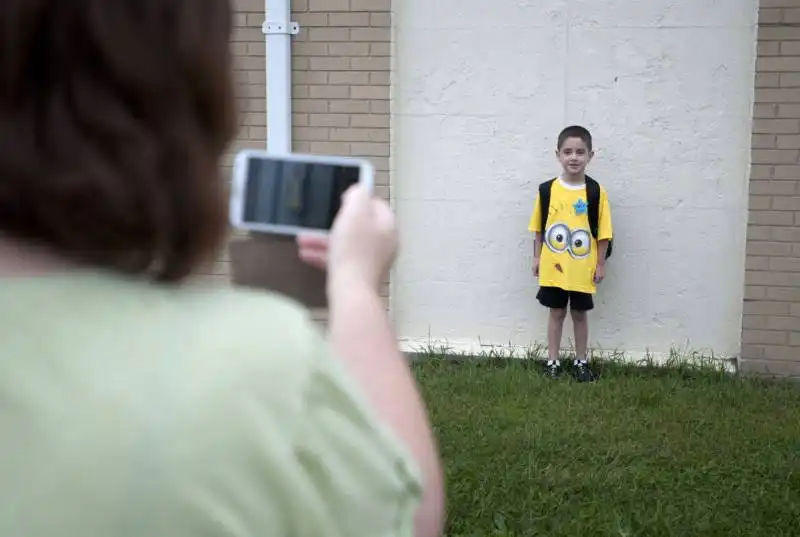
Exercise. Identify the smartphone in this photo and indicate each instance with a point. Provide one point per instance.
(285, 194)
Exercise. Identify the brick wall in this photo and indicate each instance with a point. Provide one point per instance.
(771, 323)
(341, 83)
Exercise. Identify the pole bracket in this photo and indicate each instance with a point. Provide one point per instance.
(280, 28)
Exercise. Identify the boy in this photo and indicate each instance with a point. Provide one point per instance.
(568, 255)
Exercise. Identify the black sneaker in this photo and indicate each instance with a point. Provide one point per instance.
(583, 373)
(553, 371)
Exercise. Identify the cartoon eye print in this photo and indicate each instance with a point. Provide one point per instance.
(557, 238)
(580, 244)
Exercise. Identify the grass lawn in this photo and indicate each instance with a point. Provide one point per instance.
(642, 452)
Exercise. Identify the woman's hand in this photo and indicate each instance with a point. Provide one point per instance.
(362, 244)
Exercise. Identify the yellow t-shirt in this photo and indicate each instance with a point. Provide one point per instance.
(569, 252)
(135, 410)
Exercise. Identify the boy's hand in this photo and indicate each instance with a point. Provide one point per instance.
(599, 273)
(536, 267)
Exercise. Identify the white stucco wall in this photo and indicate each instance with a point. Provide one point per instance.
(480, 93)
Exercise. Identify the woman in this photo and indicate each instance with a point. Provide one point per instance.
(134, 402)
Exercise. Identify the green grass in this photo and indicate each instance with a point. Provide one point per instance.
(647, 451)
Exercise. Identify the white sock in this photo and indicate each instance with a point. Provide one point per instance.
(551, 363)
(580, 361)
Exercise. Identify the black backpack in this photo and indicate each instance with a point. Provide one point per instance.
(593, 209)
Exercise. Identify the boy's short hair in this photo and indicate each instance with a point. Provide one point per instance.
(113, 119)
(575, 131)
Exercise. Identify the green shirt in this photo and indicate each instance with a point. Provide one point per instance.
(129, 409)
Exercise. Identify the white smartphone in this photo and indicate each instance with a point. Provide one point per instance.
(289, 193)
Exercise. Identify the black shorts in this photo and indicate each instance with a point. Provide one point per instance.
(556, 298)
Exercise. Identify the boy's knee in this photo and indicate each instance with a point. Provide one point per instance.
(558, 314)
(578, 316)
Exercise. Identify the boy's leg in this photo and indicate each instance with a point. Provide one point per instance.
(555, 328)
(580, 305)
(556, 301)
(580, 322)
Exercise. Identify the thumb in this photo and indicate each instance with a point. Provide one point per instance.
(355, 193)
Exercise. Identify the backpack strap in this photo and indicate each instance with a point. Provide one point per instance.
(593, 202)
(544, 202)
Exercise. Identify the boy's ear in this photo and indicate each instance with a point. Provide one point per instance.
(591, 154)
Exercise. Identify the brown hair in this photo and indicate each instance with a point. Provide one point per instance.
(575, 131)
(113, 117)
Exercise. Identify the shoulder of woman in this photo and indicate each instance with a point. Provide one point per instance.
(261, 322)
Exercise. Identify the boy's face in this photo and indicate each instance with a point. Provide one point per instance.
(574, 156)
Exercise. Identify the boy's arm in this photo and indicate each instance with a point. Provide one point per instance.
(602, 249)
(604, 233)
(537, 246)
(600, 271)
(534, 226)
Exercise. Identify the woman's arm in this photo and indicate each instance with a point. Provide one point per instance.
(362, 248)
(363, 339)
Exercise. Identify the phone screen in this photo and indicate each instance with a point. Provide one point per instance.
(292, 193)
